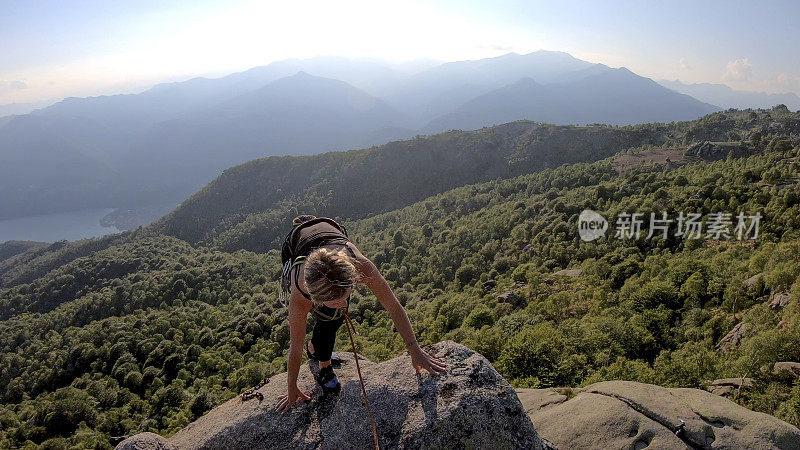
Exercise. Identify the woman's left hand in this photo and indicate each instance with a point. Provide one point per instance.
(421, 360)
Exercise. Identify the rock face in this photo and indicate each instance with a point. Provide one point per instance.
(471, 406)
(145, 441)
(625, 414)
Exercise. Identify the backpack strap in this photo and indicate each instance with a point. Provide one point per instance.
(296, 267)
(293, 245)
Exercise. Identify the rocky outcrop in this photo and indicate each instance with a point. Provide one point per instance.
(715, 150)
(569, 272)
(512, 298)
(727, 387)
(731, 340)
(626, 414)
(787, 368)
(780, 300)
(471, 406)
(752, 280)
(535, 399)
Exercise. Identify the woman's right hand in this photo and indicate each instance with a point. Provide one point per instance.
(285, 402)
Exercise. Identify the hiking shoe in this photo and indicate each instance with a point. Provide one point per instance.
(327, 379)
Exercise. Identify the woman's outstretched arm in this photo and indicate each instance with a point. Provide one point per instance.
(298, 315)
(372, 277)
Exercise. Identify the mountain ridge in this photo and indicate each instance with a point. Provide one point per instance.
(601, 95)
(167, 142)
(728, 97)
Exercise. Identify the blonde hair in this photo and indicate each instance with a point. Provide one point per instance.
(328, 274)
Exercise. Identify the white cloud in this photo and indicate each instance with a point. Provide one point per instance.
(12, 84)
(738, 70)
(683, 64)
(786, 82)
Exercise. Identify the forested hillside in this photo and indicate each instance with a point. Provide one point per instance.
(246, 207)
(361, 182)
(139, 331)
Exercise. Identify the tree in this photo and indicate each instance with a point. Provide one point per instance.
(466, 274)
(534, 352)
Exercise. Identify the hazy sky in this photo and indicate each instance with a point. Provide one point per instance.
(56, 48)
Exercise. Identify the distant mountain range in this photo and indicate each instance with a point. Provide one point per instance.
(167, 142)
(597, 94)
(725, 97)
(22, 108)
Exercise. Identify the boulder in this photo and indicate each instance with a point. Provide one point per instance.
(726, 387)
(470, 406)
(626, 414)
(780, 300)
(731, 340)
(752, 280)
(145, 441)
(569, 272)
(536, 399)
(511, 298)
(790, 368)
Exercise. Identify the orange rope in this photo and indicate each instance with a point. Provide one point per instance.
(361, 379)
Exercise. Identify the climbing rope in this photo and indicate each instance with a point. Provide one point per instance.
(361, 379)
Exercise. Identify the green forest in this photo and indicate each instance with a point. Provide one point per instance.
(149, 329)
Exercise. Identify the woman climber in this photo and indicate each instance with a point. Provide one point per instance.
(321, 266)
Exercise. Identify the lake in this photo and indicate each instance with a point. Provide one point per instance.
(72, 226)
